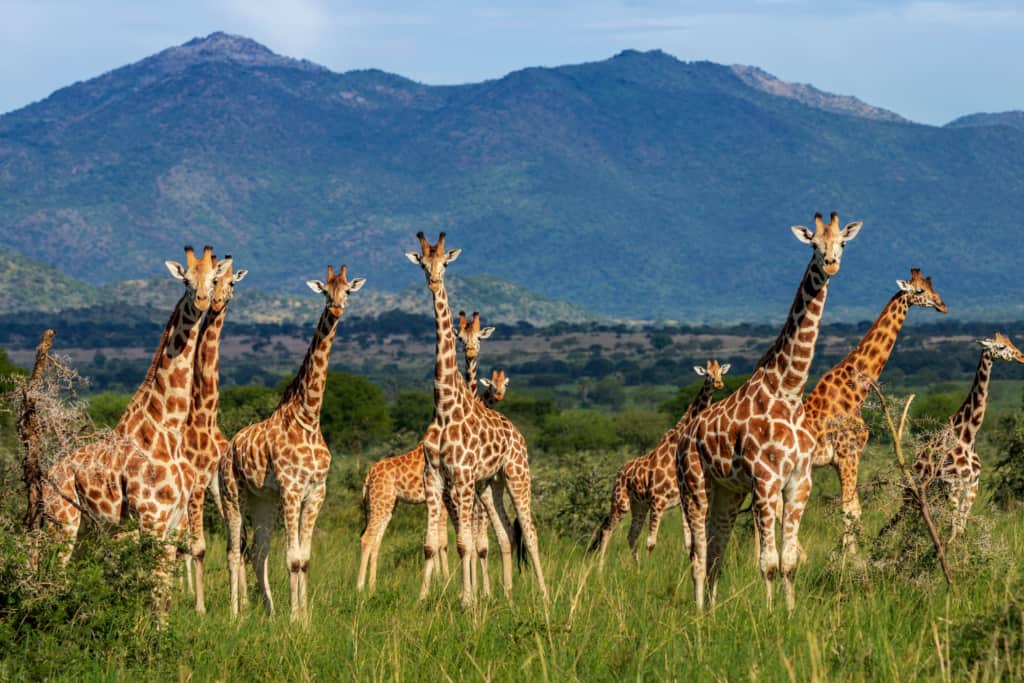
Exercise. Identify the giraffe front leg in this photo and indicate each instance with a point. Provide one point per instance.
(433, 486)
(463, 496)
(307, 523)
(480, 515)
(442, 538)
(195, 524)
(964, 502)
(796, 495)
(495, 506)
(847, 464)
(764, 509)
(292, 513)
(233, 520)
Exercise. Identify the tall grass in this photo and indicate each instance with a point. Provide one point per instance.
(635, 623)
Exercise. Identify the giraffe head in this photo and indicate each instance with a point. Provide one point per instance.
(714, 372)
(470, 333)
(921, 291)
(828, 240)
(224, 285)
(336, 289)
(198, 274)
(433, 260)
(1001, 348)
(496, 385)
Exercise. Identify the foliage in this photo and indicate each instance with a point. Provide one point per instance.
(100, 608)
(245, 405)
(107, 407)
(682, 400)
(354, 414)
(578, 430)
(412, 410)
(1009, 468)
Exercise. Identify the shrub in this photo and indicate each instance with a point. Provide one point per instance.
(1009, 469)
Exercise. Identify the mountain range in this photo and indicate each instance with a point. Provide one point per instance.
(641, 186)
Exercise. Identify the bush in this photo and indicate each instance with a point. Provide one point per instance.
(354, 414)
(412, 410)
(1009, 470)
(106, 408)
(574, 496)
(578, 430)
(243, 406)
(98, 610)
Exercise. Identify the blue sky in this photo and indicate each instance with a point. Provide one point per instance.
(930, 61)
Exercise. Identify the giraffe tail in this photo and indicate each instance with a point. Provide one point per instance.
(364, 503)
(214, 489)
(595, 543)
(518, 544)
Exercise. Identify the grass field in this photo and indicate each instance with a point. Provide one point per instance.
(894, 623)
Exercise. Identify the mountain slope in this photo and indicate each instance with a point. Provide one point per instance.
(640, 186)
(1013, 119)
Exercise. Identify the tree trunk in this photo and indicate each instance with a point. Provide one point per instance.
(29, 434)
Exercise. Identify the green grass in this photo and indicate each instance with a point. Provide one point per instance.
(629, 623)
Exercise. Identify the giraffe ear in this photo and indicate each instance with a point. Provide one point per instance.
(238, 276)
(177, 270)
(486, 332)
(905, 285)
(222, 267)
(803, 234)
(356, 284)
(484, 382)
(452, 255)
(851, 230)
(699, 370)
(725, 368)
(413, 256)
(316, 285)
(990, 344)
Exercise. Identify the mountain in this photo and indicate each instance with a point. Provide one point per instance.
(1013, 119)
(640, 186)
(27, 285)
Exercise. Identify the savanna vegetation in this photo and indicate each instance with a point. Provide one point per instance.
(891, 617)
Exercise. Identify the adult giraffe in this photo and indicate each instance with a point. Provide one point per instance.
(757, 439)
(833, 408)
(467, 445)
(284, 460)
(140, 470)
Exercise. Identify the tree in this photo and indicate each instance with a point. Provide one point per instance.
(106, 408)
(354, 414)
(412, 410)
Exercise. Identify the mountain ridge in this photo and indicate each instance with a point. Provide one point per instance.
(640, 186)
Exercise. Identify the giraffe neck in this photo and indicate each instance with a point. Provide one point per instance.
(448, 384)
(471, 382)
(871, 355)
(305, 395)
(135, 404)
(206, 378)
(701, 401)
(787, 363)
(967, 421)
(164, 400)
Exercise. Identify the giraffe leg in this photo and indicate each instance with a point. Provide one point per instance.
(495, 506)
(847, 464)
(657, 510)
(796, 494)
(765, 507)
(687, 532)
(292, 513)
(233, 520)
(963, 503)
(619, 507)
(62, 508)
(517, 477)
(381, 502)
(307, 523)
(639, 510)
(463, 496)
(725, 505)
(198, 538)
(433, 486)
(694, 496)
(482, 543)
(263, 513)
(442, 538)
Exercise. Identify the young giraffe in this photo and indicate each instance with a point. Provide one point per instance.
(833, 408)
(204, 443)
(757, 439)
(468, 445)
(648, 483)
(284, 458)
(140, 471)
(950, 458)
(400, 478)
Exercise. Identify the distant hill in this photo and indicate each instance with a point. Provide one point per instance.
(27, 285)
(640, 186)
(1013, 119)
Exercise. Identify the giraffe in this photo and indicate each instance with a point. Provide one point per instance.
(284, 460)
(833, 408)
(757, 440)
(400, 478)
(140, 470)
(468, 445)
(648, 483)
(950, 457)
(204, 443)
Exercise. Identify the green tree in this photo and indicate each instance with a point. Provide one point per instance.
(354, 414)
(106, 408)
(579, 430)
(245, 405)
(412, 410)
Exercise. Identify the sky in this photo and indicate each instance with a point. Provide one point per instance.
(930, 61)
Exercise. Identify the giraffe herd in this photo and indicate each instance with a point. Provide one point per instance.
(760, 441)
